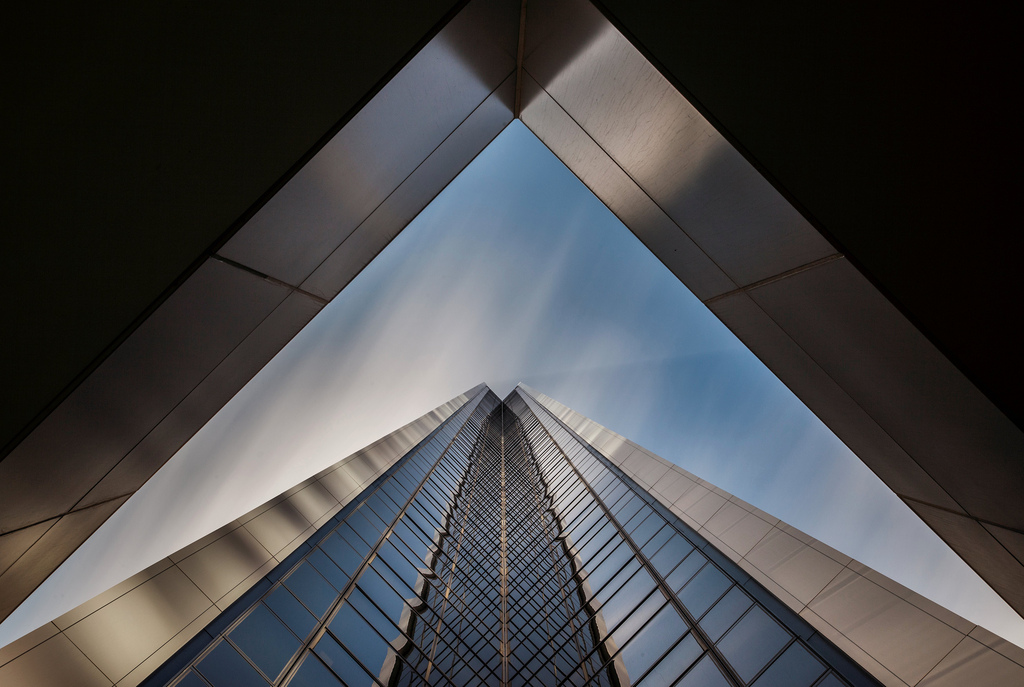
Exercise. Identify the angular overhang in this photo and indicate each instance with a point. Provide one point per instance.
(798, 301)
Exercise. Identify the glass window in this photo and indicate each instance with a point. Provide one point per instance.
(647, 529)
(341, 662)
(627, 599)
(635, 619)
(192, 680)
(372, 614)
(265, 640)
(686, 570)
(293, 613)
(313, 673)
(607, 569)
(382, 506)
(311, 589)
(753, 642)
(225, 667)
(394, 567)
(704, 674)
(704, 589)
(326, 567)
(590, 544)
(796, 667)
(672, 553)
(726, 612)
(606, 589)
(659, 540)
(672, 666)
(339, 546)
(367, 532)
(630, 506)
(651, 642)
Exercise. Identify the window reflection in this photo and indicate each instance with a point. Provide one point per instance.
(503, 550)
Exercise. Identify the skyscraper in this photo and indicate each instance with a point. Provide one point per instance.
(511, 542)
(501, 551)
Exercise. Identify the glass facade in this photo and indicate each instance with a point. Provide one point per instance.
(503, 550)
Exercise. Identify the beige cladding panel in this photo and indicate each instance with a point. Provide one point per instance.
(415, 192)
(799, 568)
(313, 501)
(1013, 541)
(649, 469)
(705, 507)
(132, 391)
(27, 643)
(209, 396)
(277, 527)
(363, 164)
(674, 486)
(97, 602)
(850, 648)
(160, 656)
(823, 327)
(973, 663)
(125, 632)
(980, 548)
(54, 663)
(827, 399)
(216, 569)
(880, 622)
(340, 483)
(580, 153)
(367, 465)
(745, 533)
(887, 366)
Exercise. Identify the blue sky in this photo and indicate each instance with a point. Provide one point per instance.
(516, 272)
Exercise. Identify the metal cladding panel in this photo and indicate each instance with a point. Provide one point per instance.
(217, 568)
(827, 399)
(986, 554)
(57, 661)
(49, 551)
(873, 618)
(414, 193)
(371, 156)
(13, 544)
(585, 158)
(120, 635)
(972, 662)
(207, 398)
(887, 366)
(131, 392)
(643, 123)
(1013, 541)
(65, 621)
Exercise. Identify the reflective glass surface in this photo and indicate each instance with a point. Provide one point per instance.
(503, 550)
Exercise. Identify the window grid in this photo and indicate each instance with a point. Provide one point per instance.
(504, 551)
